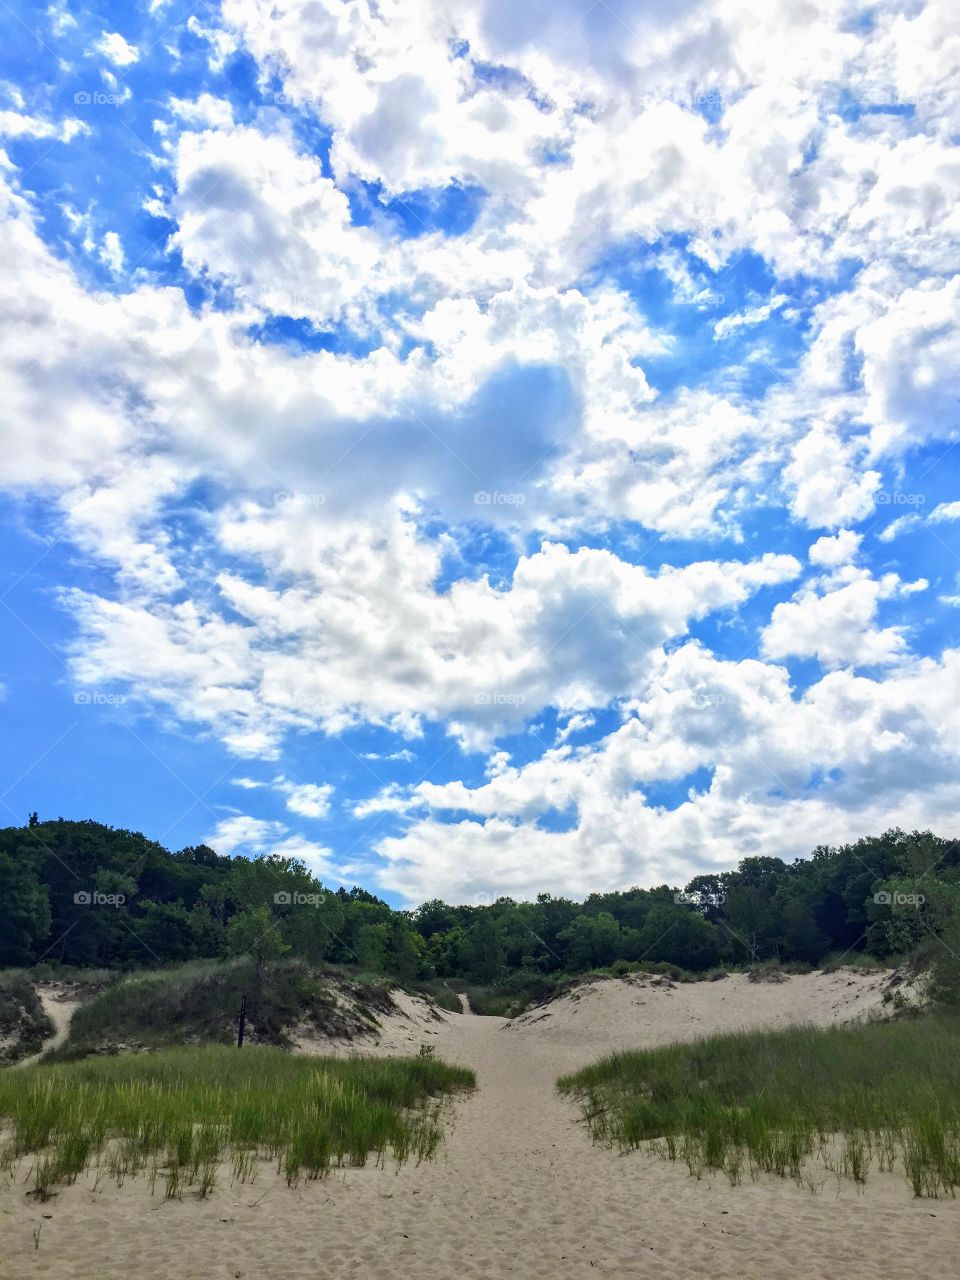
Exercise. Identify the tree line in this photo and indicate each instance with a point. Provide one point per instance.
(84, 894)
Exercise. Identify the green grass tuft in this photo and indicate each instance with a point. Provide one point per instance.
(180, 1115)
(850, 1098)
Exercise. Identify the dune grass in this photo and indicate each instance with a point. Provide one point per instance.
(198, 1003)
(180, 1116)
(809, 1103)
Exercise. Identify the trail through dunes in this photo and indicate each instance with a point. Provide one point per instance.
(520, 1191)
(60, 1009)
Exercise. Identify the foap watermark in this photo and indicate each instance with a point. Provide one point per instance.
(710, 102)
(296, 899)
(96, 98)
(482, 899)
(887, 899)
(302, 101)
(896, 498)
(494, 498)
(97, 698)
(694, 898)
(94, 898)
(299, 498)
(495, 699)
(704, 698)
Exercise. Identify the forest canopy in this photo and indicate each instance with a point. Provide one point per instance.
(84, 894)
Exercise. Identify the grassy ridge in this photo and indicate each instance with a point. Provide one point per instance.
(179, 1115)
(803, 1102)
(199, 1003)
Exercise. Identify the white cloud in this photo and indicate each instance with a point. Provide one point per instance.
(116, 49)
(575, 724)
(944, 512)
(838, 626)
(111, 252)
(244, 836)
(898, 526)
(16, 124)
(852, 755)
(364, 636)
(266, 220)
(752, 316)
(61, 20)
(832, 552)
(912, 363)
(305, 798)
(205, 111)
(829, 483)
(508, 360)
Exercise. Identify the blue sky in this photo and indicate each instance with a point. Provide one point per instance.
(479, 456)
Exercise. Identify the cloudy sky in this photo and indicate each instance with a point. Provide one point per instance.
(480, 446)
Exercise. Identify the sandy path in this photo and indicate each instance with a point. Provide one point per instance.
(520, 1192)
(60, 1011)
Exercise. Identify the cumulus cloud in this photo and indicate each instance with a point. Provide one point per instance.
(851, 755)
(944, 512)
(840, 549)
(462, 490)
(116, 49)
(244, 836)
(307, 799)
(837, 626)
(357, 632)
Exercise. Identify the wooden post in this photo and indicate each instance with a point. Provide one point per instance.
(243, 1021)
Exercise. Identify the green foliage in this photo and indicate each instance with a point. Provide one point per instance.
(179, 1116)
(254, 933)
(194, 904)
(200, 1002)
(845, 1099)
(24, 906)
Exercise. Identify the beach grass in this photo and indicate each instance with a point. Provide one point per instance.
(179, 1117)
(808, 1103)
(198, 1003)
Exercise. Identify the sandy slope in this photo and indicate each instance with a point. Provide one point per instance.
(520, 1191)
(59, 1008)
(639, 1011)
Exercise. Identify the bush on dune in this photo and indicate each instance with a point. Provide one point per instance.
(199, 1003)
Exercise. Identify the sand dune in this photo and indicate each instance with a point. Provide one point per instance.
(640, 1011)
(59, 1007)
(520, 1190)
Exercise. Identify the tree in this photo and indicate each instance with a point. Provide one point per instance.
(590, 941)
(481, 951)
(802, 936)
(24, 909)
(254, 933)
(679, 935)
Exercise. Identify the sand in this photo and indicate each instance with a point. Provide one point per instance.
(59, 1008)
(520, 1190)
